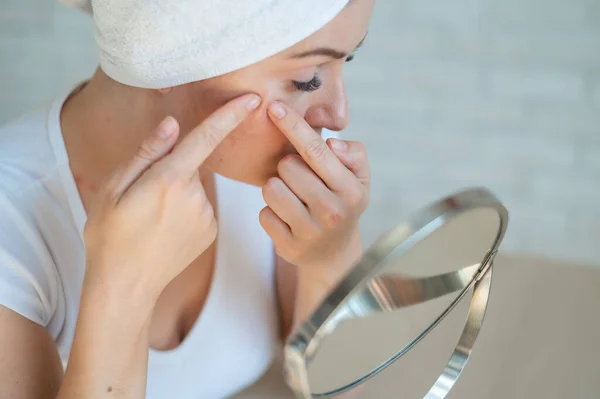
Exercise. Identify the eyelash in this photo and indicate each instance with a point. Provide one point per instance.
(312, 85)
(315, 83)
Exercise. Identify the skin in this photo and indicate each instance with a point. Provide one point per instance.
(140, 188)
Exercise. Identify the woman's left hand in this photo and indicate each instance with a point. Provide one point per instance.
(316, 201)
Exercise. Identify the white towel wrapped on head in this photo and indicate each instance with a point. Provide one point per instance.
(163, 43)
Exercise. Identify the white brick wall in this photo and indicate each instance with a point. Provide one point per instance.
(503, 93)
(534, 85)
(595, 92)
(500, 93)
(44, 47)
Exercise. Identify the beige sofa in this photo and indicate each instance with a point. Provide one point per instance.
(540, 340)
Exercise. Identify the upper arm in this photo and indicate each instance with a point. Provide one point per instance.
(286, 288)
(30, 366)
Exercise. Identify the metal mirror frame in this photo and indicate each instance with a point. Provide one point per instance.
(359, 294)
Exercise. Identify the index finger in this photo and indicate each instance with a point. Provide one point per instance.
(196, 146)
(311, 146)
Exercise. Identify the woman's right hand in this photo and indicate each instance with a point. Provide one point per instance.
(152, 218)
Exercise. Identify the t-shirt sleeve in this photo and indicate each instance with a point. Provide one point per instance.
(27, 273)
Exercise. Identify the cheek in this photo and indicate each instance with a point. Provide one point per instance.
(252, 151)
(255, 141)
(258, 131)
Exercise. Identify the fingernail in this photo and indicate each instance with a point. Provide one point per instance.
(253, 102)
(167, 128)
(339, 145)
(277, 110)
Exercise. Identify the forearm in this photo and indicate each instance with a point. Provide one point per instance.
(314, 283)
(109, 355)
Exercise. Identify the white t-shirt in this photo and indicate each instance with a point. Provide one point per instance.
(42, 262)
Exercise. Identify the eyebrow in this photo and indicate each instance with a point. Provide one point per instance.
(327, 52)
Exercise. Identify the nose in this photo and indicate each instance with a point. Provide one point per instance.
(330, 109)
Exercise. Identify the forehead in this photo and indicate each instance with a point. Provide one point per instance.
(343, 33)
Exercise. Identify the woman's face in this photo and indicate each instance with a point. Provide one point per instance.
(307, 77)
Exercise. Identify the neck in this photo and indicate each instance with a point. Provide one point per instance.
(105, 121)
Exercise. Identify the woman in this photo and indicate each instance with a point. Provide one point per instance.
(140, 211)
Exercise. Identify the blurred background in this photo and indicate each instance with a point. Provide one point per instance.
(444, 94)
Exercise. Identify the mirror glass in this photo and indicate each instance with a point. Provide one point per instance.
(359, 345)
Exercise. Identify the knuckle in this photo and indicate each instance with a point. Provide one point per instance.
(225, 120)
(203, 213)
(312, 233)
(198, 197)
(209, 213)
(291, 159)
(283, 250)
(212, 229)
(193, 213)
(317, 150)
(110, 188)
(238, 114)
(270, 187)
(333, 215)
(297, 124)
(263, 217)
(297, 254)
(361, 152)
(146, 152)
(165, 179)
(273, 183)
(222, 120)
(287, 161)
(360, 147)
(212, 137)
(205, 205)
(355, 197)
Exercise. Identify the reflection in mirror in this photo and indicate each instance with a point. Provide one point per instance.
(360, 344)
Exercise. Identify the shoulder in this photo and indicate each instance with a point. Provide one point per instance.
(26, 153)
(29, 172)
(29, 196)
(28, 278)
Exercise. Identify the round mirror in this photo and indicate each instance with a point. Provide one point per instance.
(418, 291)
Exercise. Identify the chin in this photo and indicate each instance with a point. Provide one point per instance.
(255, 172)
(258, 182)
(260, 179)
(251, 177)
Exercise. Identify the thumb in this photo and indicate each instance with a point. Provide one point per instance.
(153, 148)
(353, 156)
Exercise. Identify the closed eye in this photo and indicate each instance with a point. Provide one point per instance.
(312, 85)
(315, 83)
